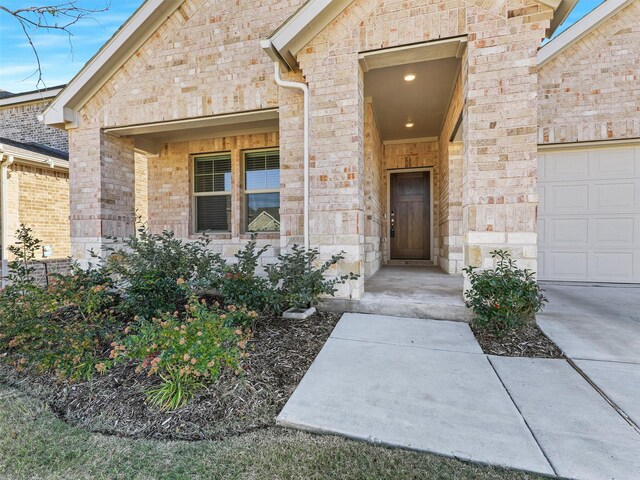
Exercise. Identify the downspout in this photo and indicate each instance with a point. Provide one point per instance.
(4, 212)
(305, 89)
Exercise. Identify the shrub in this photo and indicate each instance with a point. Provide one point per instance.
(503, 298)
(157, 272)
(241, 285)
(63, 328)
(187, 350)
(299, 282)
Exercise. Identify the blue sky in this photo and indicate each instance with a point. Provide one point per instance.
(60, 63)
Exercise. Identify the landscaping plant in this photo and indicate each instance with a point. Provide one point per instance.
(299, 281)
(505, 297)
(187, 350)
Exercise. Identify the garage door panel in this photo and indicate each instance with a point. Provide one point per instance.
(614, 163)
(618, 196)
(567, 198)
(607, 266)
(568, 230)
(616, 231)
(589, 215)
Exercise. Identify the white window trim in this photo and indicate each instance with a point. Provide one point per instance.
(245, 192)
(194, 194)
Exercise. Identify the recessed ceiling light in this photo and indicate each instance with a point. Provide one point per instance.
(408, 125)
(410, 77)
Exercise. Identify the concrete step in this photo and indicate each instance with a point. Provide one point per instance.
(401, 307)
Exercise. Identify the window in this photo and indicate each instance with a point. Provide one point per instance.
(212, 192)
(262, 191)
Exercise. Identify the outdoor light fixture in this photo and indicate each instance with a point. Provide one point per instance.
(408, 125)
(410, 77)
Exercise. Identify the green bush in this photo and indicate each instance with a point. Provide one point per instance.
(504, 298)
(185, 349)
(63, 328)
(299, 282)
(241, 284)
(157, 272)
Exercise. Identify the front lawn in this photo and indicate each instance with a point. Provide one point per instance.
(34, 444)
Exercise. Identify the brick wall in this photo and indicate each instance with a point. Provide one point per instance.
(450, 194)
(141, 173)
(591, 90)
(20, 123)
(39, 198)
(500, 197)
(374, 193)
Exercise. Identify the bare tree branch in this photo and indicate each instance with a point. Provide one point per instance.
(58, 17)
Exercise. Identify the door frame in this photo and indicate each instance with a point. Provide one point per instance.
(388, 212)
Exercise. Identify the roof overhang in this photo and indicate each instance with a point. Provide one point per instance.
(582, 27)
(298, 30)
(28, 97)
(23, 156)
(149, 137)
(63, 111)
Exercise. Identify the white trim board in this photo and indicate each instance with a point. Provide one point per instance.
(581, 28)
(28, 97)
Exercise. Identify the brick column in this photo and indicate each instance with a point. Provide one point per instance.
(102, 189)
(500, 128)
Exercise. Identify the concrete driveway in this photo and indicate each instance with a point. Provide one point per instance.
(591, 322)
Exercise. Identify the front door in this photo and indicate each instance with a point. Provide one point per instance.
(410, 216)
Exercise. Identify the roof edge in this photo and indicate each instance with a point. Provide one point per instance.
(578, 30)
(24, 156)
(31, 96)
(100, 68)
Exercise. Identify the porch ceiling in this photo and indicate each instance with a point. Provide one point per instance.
(422, 102)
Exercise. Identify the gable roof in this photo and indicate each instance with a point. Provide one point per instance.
(312, 17)
(582, 27)
(113, 54)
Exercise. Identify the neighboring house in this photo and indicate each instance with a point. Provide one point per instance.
(34, 177)
(424, 124)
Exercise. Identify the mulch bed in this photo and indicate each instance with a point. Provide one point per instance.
(527, 341)
(114, 403)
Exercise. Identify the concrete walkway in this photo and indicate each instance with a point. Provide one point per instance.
(426, 385)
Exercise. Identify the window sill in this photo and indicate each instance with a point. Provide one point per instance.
(261, 236)
(211, 236)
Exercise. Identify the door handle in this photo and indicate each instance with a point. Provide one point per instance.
(393, 224)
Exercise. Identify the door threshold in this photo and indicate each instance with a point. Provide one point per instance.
(417, 263)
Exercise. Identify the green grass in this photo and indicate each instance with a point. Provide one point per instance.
(34, 444)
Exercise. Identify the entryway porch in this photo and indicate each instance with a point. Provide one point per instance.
(409, 291)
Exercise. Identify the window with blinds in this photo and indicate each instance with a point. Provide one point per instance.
(212, 192)
(262, 191)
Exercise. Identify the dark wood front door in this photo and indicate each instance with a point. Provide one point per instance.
(410, 216)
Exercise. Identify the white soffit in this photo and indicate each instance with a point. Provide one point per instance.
(421, 52)
(113, 54)
(34, 96)
(581, 28)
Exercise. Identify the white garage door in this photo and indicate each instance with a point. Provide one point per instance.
(589, 216)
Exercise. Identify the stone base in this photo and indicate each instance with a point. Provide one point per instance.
(298, 313)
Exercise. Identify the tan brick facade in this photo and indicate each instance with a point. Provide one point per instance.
(39, 198)
(206, 60)
(591, 91)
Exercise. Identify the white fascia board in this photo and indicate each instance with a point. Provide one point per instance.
(301, 28)
(30, 97)
(581, 28)
(107, 61)
(28, 157)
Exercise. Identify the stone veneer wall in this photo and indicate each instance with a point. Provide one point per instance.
(591, 90)
(141, 172)
(170, 187)
(20, 123)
